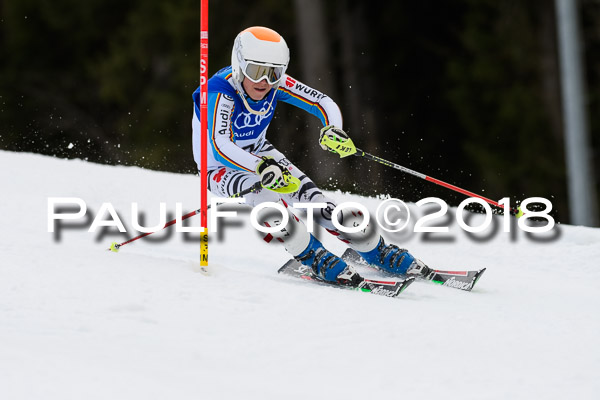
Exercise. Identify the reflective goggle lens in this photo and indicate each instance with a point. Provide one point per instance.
(258, 72)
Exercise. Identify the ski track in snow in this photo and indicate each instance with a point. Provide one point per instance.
(78, 322)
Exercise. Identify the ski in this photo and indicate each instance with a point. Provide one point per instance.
(463, 280)
(381, 288)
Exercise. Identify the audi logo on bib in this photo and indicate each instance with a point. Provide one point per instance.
(248, 120)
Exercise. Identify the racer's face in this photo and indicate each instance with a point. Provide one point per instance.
(256, 91)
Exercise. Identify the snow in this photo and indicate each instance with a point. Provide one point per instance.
(77, 321)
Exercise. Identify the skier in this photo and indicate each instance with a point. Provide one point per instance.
(241, 103)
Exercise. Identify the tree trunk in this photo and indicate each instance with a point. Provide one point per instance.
(358, 88)
(316, 67)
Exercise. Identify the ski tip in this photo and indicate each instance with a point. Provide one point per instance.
(406, 283)
(476, 278)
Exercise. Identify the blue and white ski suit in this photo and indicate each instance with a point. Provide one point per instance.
(237, 141)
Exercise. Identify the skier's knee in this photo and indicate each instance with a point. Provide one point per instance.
(349, 219)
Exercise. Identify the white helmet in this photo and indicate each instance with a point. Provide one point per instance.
(259, 53)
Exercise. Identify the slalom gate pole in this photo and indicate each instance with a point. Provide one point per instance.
(116, 246)
(203, 136)
(360, 153)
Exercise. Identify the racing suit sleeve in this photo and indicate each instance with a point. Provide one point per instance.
(294, 92)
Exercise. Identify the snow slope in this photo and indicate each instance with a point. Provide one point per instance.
(78, 322)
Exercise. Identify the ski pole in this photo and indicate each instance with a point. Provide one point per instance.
(252, 189)
(387, 163)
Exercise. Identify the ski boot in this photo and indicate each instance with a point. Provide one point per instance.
(326, 265)
(395, 260)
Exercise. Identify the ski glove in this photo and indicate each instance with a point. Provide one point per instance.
(276, 177)
(337, 141)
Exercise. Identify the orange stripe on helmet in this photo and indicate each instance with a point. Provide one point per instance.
(262, 33)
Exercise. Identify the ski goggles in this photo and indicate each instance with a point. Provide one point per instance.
(257, 72)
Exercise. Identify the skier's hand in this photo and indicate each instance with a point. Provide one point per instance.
(276, 177)
(337, 141)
